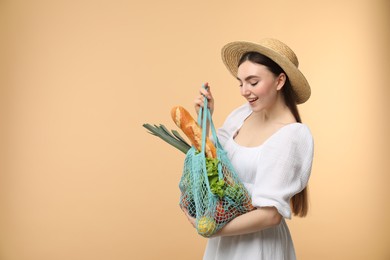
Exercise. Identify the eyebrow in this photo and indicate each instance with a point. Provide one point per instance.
(248, 78)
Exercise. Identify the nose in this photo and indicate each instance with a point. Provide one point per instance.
(244, 90)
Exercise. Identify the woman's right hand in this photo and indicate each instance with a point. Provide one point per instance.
(199, 101)
(191, 219)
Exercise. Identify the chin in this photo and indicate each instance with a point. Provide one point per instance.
(256, 107)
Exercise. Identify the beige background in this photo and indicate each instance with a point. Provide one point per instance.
(81, 178)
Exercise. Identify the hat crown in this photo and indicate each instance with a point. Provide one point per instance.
(281, 48)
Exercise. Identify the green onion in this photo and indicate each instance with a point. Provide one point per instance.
(173, 138)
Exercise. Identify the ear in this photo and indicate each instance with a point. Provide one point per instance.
(281, 79)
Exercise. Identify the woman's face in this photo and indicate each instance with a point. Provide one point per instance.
(259, 86)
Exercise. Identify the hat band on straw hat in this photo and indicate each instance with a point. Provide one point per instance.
(277, 51)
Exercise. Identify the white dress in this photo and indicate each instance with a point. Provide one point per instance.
(272, 172)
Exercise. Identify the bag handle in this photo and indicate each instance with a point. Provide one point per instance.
(204, 117)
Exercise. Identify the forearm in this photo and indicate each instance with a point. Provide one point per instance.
(250, 222)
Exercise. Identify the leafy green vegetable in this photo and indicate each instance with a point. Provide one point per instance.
(235, 192)
(212, 166)
(217, 186)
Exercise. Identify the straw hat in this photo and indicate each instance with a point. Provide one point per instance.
(279, 53)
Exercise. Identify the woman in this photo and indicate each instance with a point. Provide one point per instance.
(269, 147)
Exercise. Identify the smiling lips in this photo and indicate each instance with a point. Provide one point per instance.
(252, 100)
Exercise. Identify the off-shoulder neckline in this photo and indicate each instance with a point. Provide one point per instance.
(277, 132)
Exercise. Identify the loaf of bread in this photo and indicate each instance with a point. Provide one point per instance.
(192, 130)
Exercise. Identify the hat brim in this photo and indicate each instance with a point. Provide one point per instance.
(232, 53)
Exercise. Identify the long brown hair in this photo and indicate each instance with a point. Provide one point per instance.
(299, 202)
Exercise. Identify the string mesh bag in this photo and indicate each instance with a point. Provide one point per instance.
(211, 191)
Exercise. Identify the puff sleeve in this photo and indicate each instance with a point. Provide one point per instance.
(284, 168)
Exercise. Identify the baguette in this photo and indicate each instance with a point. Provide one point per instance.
(192, 130)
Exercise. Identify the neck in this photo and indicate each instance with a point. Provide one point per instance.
(278, 113)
